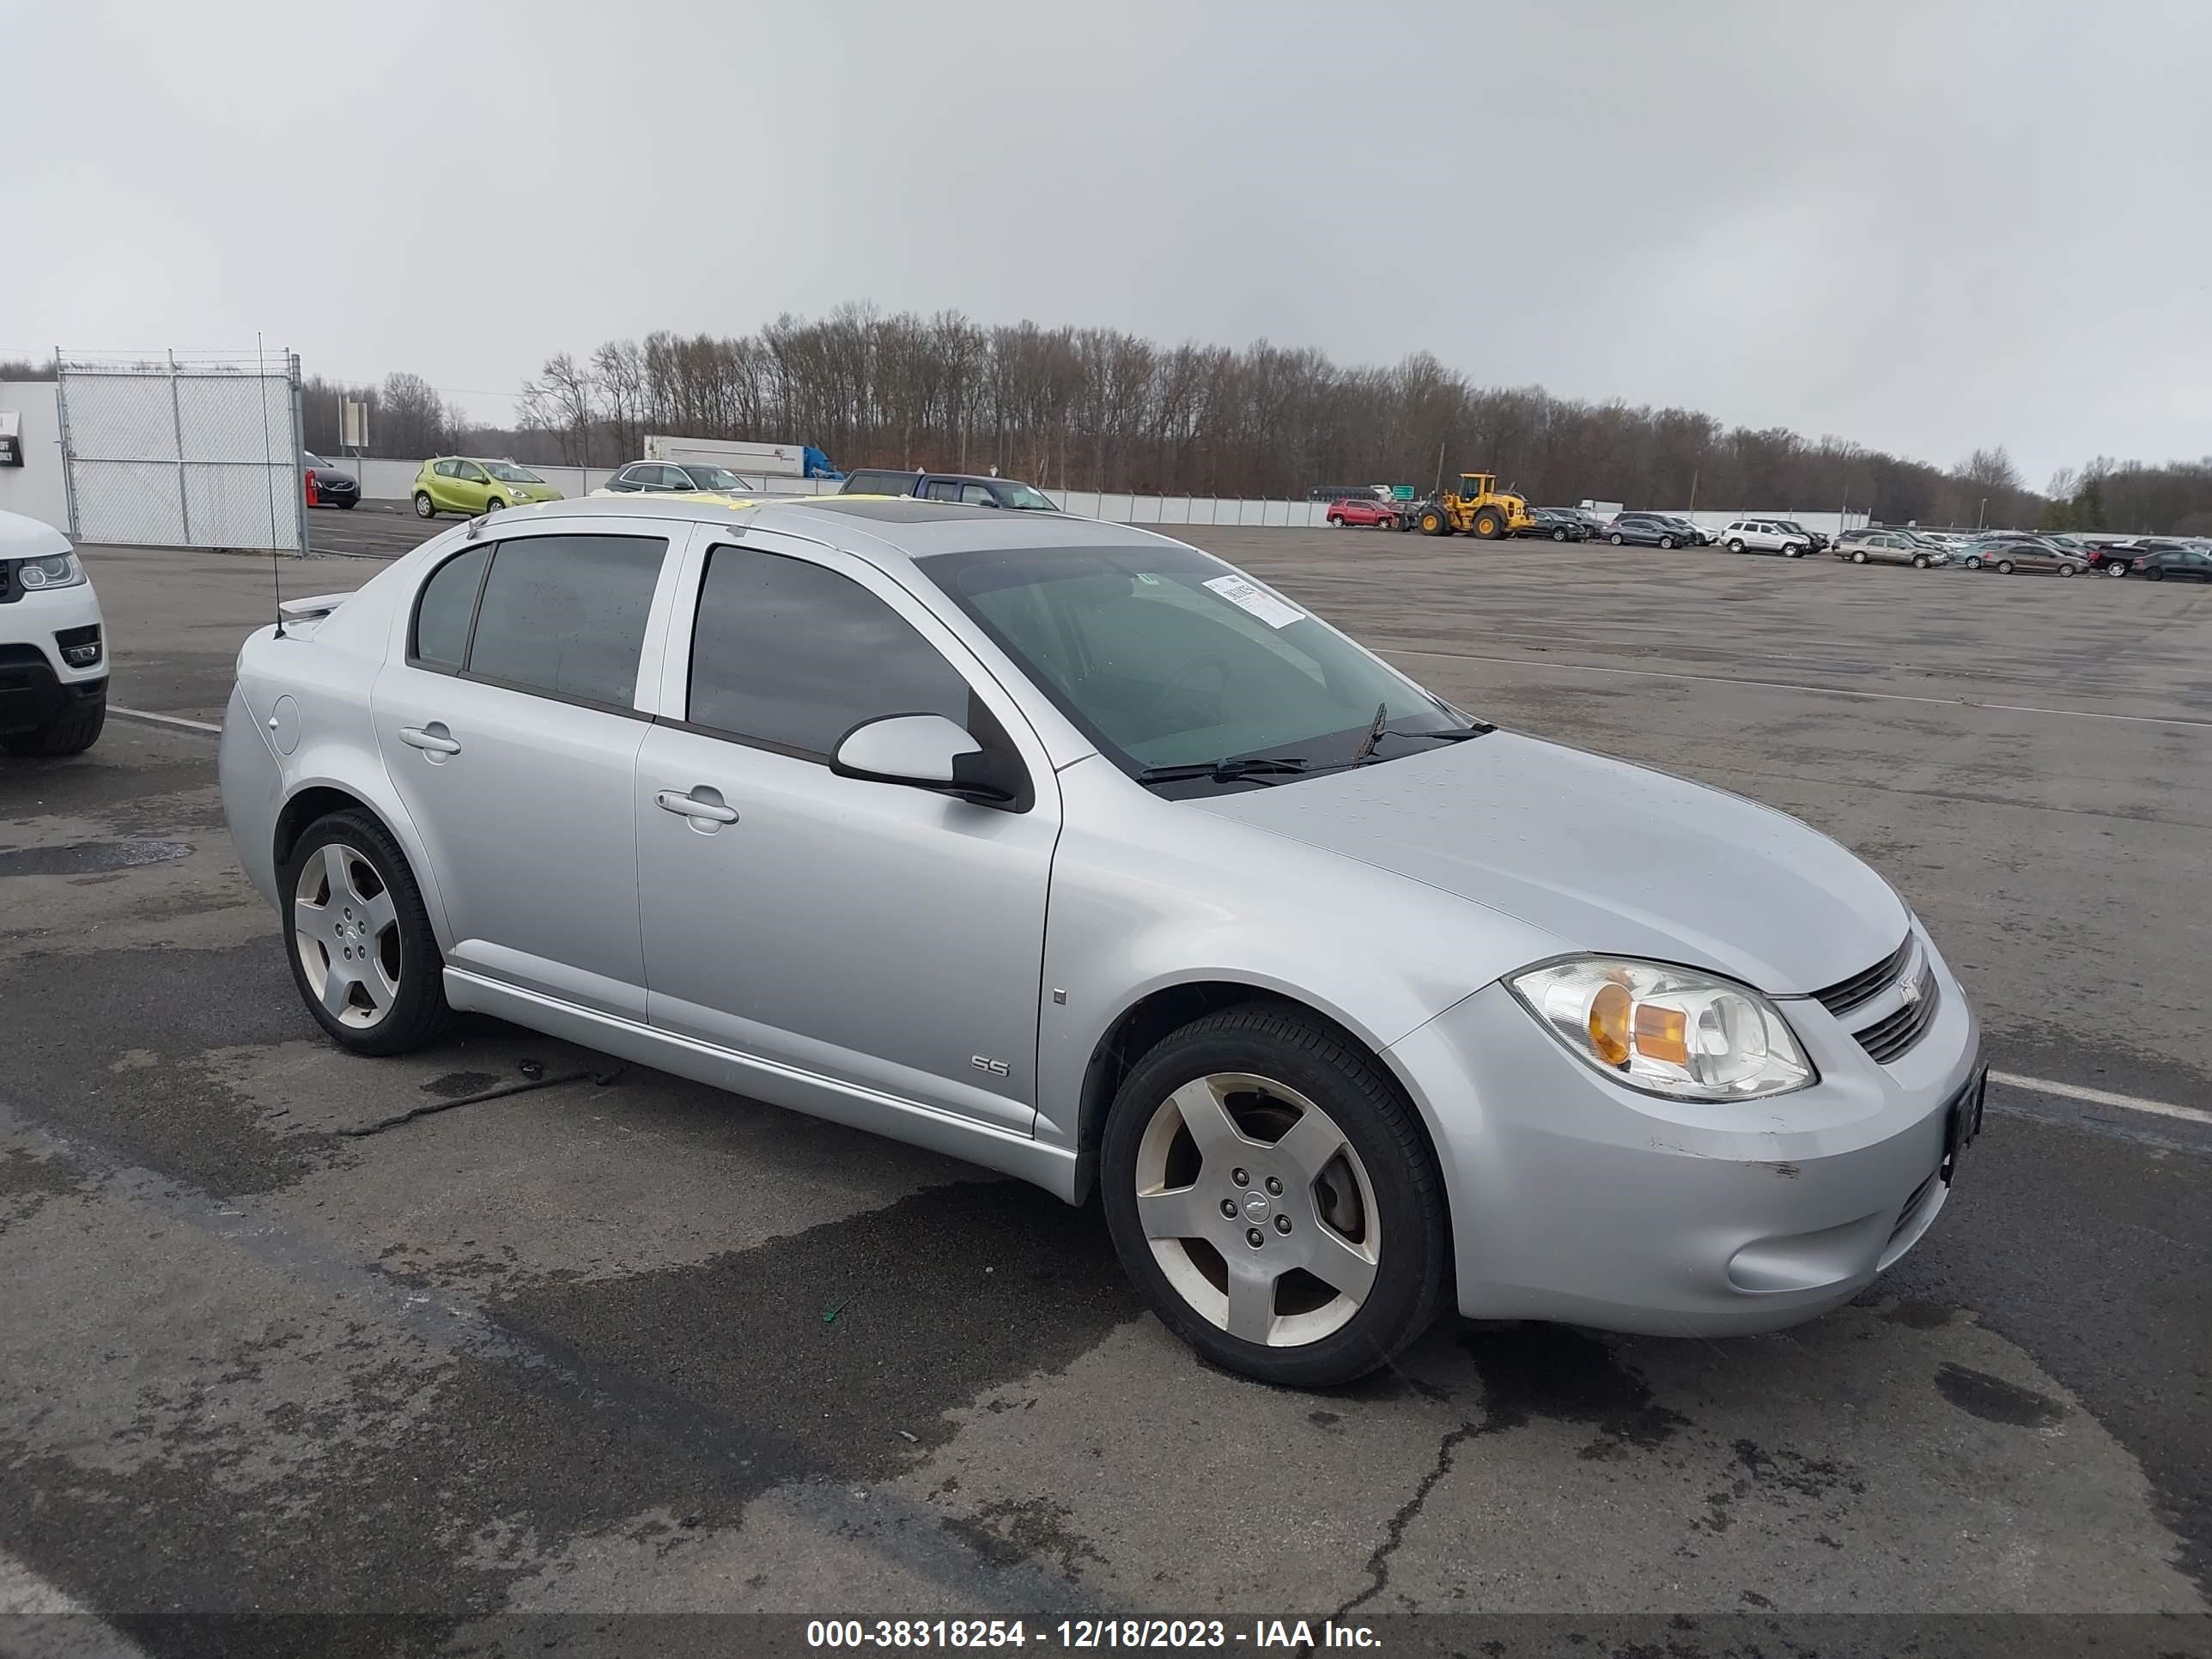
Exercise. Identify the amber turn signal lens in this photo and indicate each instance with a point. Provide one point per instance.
(1662, 1034)
(1608, 1023)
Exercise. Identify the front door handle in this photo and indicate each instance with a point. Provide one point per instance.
(691, 807)
(433, 739)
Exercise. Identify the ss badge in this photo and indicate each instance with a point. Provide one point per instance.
(985, 1063)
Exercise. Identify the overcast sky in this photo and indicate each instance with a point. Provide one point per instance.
(1923, 226)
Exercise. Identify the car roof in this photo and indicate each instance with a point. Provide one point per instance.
(884, 530)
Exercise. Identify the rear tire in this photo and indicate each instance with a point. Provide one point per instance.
(2154, 574)
(69, 733)
(1734, 546)
(2116, 570)
(1372, 1202)
(2004, 567)
(1858, 555)
(394, 941)
(424, 507)
(1615, 539)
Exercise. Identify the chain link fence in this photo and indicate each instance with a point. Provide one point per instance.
(195, 452)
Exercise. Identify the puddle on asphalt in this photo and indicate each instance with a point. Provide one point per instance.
(81, 857)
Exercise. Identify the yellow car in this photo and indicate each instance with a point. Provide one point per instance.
(460, 483)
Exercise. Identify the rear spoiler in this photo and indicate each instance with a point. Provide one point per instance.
(311, 609)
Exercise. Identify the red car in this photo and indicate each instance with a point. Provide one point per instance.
(1364, 510)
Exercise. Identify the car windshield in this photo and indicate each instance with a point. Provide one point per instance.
(1024, 496)
(508, 472)
(1164, 656)
(308, 458)
(715, 477)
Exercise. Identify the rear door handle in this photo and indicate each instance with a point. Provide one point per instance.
(690, 806)
(432, 737)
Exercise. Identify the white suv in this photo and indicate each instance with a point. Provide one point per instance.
(1763, 536)
(53, 649)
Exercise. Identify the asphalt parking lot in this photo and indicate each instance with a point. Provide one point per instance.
(596, 1340)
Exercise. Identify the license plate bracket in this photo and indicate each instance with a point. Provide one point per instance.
(1963, 1122)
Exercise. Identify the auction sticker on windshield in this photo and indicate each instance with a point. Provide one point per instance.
(1264, 605)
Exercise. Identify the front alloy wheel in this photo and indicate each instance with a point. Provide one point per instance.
(1274, 1197)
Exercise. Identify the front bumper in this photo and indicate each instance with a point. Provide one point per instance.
(38, 680)
(1575, 1200)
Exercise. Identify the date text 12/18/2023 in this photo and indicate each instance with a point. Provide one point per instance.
(1082, 1635)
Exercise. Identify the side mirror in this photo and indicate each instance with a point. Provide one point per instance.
(922, 751)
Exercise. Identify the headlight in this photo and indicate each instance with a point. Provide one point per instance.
(55, 570)
(1666, 1030)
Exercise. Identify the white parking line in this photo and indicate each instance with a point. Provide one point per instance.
(2102, 1098)
(1798, 685)
(44, 1620)
(162, 720)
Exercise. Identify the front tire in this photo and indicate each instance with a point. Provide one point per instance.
(350, 505)
(1973, 565)
(2065, 570)
(1315, 1152)
(69, 733)
(424, 507)
(1434, 522)
(1920, 561)
(1667, 542)
(1559, 535)
(362, 954)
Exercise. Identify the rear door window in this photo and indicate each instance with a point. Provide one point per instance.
(566, 615)
(942, 489)
(445, 608)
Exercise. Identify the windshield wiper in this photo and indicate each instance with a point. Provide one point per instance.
(1374, 734)
(1225, 770)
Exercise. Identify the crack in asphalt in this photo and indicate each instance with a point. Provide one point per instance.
(1379, 1564)
(600, 1078)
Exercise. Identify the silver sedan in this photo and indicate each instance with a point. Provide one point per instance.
(1065, 848)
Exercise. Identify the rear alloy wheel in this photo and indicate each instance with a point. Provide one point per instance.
(2004, 567)
(2154, 574)
(1737, 545)
(1274, 1198)
(424, 507)
(1615, 539)
(1858, 555)
(2115, 570)
(361, 951)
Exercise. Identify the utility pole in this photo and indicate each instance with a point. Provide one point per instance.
(1440, 489)
(1982, 512)
(1693, 489)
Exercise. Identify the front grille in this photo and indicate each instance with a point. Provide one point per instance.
(1867, 984)
(1892, 1034)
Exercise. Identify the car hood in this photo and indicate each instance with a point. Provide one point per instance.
(1606, 856)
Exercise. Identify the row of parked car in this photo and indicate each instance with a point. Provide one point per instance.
(2154, 558)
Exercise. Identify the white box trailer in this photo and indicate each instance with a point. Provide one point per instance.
(747, 459)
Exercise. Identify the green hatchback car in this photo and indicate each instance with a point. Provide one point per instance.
(457, 483)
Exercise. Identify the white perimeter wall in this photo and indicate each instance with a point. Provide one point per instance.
(36, 489)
